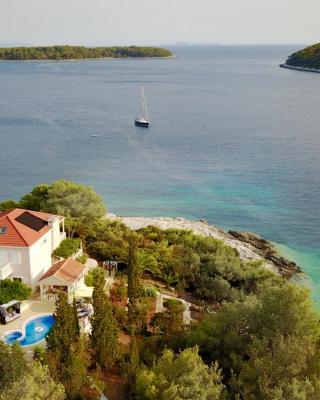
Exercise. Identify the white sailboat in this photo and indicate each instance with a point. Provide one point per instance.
(143, 119)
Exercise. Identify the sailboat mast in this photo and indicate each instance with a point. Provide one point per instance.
(144, 104)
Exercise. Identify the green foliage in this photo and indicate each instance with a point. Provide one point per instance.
(82, 259)
(148, 291)
(133, 278)
(79, 52)
(74, 371)
(170, 321)
(104, 334)
(65, 331)
(67, 354)
(263, 342)
(36, 200)
(79, 204)
(67, 248)
(39, 353)
(179, 377)
(134, 359)
(308, 57)
(13, 290)
(34, 383)
(108, 240)
(94, 276)
(12, 365)
(7, 205)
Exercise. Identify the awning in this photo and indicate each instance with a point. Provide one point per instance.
(83, 291)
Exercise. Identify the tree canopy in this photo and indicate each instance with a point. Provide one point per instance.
(79, 204)
(79, 52)
(308, 57)
(179, 377)
(35, 383)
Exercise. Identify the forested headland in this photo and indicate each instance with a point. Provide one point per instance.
(305, 58)
(251, 335)
(80, 52)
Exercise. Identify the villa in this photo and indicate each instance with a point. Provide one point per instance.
(27, 240)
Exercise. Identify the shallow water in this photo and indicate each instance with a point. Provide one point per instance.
(233, 138)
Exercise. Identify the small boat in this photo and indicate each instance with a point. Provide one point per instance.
(143, 119)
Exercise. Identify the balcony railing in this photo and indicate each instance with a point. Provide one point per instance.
(49, 297)
(5, 271)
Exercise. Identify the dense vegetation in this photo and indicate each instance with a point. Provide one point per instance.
(13, 290)
(68, 247)
(79, 52)
(308, 57)
(254, 336)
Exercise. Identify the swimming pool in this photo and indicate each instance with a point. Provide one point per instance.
(36, 329)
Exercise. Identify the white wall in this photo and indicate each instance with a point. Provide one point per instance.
(30, 263)
(56, 234)
(40, 257)
(19, 260)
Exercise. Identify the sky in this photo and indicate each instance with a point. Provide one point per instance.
(155, 22)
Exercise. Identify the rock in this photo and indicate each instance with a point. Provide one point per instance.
(266, 250)
(248, 245)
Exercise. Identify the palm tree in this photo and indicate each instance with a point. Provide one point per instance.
(146, 263)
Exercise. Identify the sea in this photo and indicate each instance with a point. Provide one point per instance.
(233, 139)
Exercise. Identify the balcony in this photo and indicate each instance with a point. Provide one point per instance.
(5, 271)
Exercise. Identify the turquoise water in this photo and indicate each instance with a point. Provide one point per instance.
(234, 139)
(36, 330)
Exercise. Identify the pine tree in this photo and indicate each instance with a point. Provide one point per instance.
(104, 334)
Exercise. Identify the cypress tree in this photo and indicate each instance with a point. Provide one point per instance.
(134, 358)
(65, 331)
(104, 333)
(75, 316)
(133, 276)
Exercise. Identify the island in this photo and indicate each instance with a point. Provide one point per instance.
(307, 59)
(81, 52)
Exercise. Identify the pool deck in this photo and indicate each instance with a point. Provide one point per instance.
(29, 309)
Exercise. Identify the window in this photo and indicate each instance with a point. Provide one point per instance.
(17, 279)
(3, 230)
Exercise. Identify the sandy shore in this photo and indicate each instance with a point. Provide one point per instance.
(246, 250)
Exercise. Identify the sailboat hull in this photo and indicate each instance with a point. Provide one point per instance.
(143, 124)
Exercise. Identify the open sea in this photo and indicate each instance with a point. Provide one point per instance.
(234, 139)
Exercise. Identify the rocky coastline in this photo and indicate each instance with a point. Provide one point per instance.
(249, 245)
(296, 68)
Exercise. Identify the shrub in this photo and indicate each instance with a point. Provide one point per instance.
(148, 291)
(93, 275)
(83, 259)
(67, 248)
(13, 290)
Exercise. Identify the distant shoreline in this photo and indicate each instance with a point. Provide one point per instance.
(296, 68)
(93, 59)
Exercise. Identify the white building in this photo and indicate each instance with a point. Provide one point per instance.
(27, 240)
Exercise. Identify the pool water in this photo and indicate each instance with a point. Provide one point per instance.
(36, 329)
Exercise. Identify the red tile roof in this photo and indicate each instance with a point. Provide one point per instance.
(18, 234)
(68, 270)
